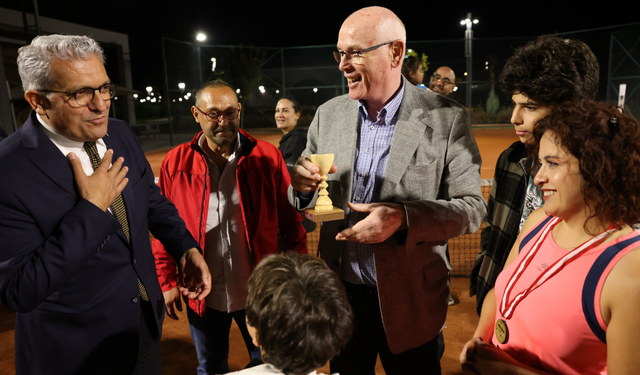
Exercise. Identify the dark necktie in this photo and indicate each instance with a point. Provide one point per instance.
(117, 207)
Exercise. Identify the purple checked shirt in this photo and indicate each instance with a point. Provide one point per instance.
(372, 153)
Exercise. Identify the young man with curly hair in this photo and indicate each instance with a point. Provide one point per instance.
(544, 72)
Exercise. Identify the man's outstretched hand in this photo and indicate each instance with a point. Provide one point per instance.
(383, 221)
(195, 275)
(172, 302)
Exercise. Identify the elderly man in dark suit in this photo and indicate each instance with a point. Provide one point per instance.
(407, 173)
(75, 258)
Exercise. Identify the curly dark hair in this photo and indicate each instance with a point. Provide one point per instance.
(410, 64)
(551, 70)
(607, 146)
(300, 311)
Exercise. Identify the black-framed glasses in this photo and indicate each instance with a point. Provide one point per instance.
(214, 116)
(438, 78)
(357, 54)
(85, 95)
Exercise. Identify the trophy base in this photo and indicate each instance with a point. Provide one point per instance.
(320, 216)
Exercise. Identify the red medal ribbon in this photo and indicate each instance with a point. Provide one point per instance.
(506, 307)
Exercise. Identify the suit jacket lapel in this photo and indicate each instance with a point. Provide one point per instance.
(127, 193)
(348, 141)
(413, 122)
(46, 156)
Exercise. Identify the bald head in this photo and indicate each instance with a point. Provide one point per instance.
(377, 23)
(373, 76)
(443, 81)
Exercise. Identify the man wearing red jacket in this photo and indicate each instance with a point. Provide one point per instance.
(231, 191)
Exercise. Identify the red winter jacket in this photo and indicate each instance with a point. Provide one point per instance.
(262, 181)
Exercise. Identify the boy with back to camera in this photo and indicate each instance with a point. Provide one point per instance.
(297, 313)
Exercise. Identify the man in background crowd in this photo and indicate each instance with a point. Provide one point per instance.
(231, 190)
(443, 81)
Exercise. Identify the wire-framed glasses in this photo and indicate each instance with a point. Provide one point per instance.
(214, 116)
(437, 78)
(85, 95)
(356, 54)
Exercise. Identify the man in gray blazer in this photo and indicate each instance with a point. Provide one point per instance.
(407, 174)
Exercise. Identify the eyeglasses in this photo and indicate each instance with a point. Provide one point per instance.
(214, 116)
(438, 78)
(85, 95)
(357, 54)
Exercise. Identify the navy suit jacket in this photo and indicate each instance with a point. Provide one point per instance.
(66, 267)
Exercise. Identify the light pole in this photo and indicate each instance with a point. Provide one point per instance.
(166, 86)
(201, 37)
(468, 53)
(148, 99)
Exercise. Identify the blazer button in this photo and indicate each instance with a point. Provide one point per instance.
(135, 260)
(134, 300)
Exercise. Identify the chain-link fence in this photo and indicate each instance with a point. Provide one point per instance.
(264, 74)
(624, 69)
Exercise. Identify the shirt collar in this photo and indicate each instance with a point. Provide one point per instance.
(233, 154)
(59, 139)
(389, 111)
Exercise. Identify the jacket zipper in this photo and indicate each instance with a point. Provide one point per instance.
(204, 192)
(246, 182)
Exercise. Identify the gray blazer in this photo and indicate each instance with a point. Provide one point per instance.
(434, 171)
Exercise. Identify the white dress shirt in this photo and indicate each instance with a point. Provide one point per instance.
(226, 250)
(66, 145)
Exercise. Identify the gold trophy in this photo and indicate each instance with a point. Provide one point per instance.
(324, 210)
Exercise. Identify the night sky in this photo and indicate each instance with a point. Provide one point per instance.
(280, 24)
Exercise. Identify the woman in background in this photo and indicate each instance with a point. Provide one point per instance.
(294, 139)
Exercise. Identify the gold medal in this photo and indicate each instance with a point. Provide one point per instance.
(502, 332)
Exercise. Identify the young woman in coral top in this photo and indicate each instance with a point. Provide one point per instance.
(568, 299)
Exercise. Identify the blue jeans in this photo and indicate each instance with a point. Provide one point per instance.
(210, 336)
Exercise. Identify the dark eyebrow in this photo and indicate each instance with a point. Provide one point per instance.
(526, 103)
(548, 157)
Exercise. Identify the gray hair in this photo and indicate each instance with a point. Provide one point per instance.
(34, 60)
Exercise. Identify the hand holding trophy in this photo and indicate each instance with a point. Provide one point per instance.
(324, 209)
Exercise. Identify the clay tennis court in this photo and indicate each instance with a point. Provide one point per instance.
(178, 353)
